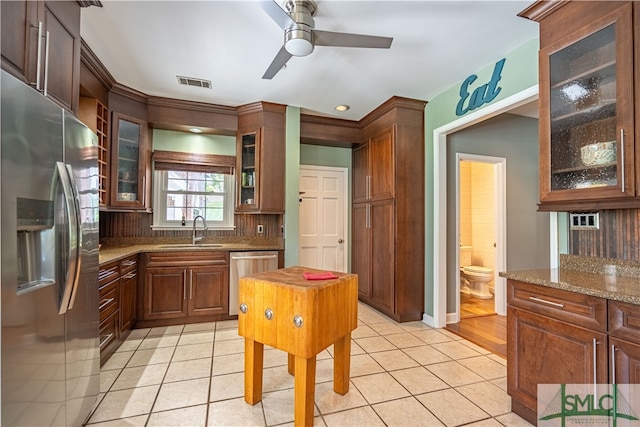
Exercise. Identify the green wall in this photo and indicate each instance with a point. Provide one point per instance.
(169, 140)
(520, 72)
(292, 174)
(318, 155)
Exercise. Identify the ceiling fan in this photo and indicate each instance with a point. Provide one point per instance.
(300, 35)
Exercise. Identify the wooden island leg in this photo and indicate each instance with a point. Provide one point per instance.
(291, 364)
(253, 362)
(304, 390)
(341, 364)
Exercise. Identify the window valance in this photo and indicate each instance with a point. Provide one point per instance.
(193, 162)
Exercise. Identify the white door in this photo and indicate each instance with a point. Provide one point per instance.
(323, 216)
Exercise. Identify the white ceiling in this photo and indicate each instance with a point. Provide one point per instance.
(437, 44)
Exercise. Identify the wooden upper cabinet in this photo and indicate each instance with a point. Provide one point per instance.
(373, 168)
(360, 172)
(587, 135)
(17, 36)
(41, 45)
(260, 154)
(130, 156)
(382, 166)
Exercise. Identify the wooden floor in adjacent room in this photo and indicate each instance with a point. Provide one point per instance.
(480, 325)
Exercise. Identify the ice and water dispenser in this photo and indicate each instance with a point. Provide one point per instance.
(36, 244)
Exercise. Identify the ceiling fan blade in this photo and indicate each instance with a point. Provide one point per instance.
(276, 65)
(329, 38)
(277, 14)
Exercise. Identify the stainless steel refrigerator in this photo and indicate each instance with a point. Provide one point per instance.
(50, 327)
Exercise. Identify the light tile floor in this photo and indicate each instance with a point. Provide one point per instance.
(402, 374)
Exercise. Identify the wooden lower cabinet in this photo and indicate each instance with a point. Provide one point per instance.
(208, 291)
(109, 295)
(184, 287)
(542, 350)
(626, 369)
(560, 337)
(383, 283)
(128, 295)
(109, 336)
(117, 289)
(165, 293)
(374, 253)
(624, 342)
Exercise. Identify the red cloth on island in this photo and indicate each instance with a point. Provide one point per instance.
(319, 276)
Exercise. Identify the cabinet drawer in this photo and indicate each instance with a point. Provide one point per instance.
(108, 331)
(128, 264)
(109, 300)
(584, 310)
(107, 273)
(188, 258)
(624, 320)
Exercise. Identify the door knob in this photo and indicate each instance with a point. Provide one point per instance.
(340, 240)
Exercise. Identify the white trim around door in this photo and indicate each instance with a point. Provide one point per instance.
(439, 318)
(500, 193)
(326, 189)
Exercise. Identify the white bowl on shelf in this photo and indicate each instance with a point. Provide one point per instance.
(599, 153)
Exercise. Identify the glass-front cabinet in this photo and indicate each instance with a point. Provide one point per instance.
(586, 121)
(247, 167)
(260, 158)
(128, 163)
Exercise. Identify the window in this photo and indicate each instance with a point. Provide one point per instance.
(183, 190)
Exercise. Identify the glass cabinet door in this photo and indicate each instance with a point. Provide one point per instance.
(583, 113)
(248, 167)
(128, 165)
(588, 117)
(128, 170)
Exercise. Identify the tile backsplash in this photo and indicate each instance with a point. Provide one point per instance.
(138, 224)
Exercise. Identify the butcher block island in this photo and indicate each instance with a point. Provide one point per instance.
(283, 309)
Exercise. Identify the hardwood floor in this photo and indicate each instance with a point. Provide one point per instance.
(489, 332)
(472, 307)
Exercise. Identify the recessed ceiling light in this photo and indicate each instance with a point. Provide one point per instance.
(195, 130)
(343, 107)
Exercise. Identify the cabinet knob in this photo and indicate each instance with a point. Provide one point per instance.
(297, 321)
(268, 313)
(243, 308)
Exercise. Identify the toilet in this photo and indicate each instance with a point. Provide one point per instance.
(474, 279)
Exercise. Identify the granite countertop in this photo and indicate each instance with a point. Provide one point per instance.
(601, 277)
(115, 250)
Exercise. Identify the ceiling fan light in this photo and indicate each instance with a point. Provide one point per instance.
(299, 47)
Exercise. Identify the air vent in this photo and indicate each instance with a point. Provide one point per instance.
(192, 81)
(584, 221)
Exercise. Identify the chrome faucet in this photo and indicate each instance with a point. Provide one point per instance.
(204, 223)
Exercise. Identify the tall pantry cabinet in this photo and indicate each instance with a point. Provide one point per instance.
(388, 210)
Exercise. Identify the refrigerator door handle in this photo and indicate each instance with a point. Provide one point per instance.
(78, 265)
(73, 263)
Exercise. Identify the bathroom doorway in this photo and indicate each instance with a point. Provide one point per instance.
(477, 230)
(481, 233)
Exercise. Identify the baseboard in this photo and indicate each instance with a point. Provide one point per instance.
(428, 319)
(453, 318)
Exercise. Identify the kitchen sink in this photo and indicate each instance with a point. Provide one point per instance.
(191, 245)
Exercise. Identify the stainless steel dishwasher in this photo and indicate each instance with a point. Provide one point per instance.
(244, 264)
